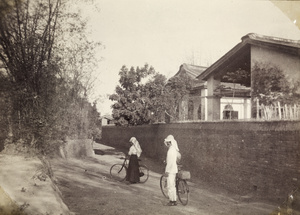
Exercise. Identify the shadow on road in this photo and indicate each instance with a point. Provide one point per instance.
(87, 188)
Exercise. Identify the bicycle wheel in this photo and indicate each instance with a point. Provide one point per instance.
(164, 186)
(182, 191)
(118, 172)
(144, 173)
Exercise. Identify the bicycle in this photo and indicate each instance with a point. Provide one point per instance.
(119, 171)
(182, 188)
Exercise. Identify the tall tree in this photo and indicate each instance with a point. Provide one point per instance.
(47, 62)
(156, 98)
(136, 97)
(176, 88)
(26, 43)
(139, 101)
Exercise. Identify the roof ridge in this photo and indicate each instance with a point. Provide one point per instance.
(254, 39)
(193, 65)
(260, 37)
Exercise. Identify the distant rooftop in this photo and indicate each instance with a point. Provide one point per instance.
(107, 116)
(191, 70)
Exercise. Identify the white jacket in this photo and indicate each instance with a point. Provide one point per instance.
(171, 166)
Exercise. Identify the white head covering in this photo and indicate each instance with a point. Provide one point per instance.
(137, 146)
(171, 139)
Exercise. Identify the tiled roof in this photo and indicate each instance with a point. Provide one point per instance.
(109, 117)
(284, 45)
(271, 40)
(191, 70)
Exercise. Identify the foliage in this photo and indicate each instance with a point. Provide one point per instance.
(46, 62)
(240, 76)
(271, 85)
(155, 95)
(176, 88)
(139, 103)
(138, 98)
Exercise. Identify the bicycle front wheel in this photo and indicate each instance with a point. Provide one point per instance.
(144, 173)
(182, 191)
(118, 172)
(164, 186)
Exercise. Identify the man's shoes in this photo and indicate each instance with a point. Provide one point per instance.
(172, 203)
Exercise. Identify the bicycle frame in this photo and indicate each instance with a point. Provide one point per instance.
(182, 188)
(125, 163)
(122, 171)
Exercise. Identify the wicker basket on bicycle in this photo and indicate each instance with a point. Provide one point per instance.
(183, 174)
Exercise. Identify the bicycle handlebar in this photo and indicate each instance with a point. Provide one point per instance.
(122, 158)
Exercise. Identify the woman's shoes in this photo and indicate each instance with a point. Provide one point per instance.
(172, 203)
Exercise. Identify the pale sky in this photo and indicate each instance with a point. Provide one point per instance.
(168, 33)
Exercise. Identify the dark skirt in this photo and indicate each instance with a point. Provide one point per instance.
(133, 175)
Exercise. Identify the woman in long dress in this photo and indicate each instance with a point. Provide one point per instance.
(135, 151)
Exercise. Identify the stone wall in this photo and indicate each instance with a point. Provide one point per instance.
(256, 158)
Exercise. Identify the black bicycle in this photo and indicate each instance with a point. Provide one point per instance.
(182, 188)
(119, 171)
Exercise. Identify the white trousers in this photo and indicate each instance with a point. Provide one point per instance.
(171, 186)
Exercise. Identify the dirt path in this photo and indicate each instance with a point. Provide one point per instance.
(25, 187)
(87, 189)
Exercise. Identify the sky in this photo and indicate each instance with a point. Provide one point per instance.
(168, 33)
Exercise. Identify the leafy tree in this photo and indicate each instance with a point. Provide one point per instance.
(26, 41)
(136, 103)
(270, 85)
(47, 64)
(176, 88)
(154, 91)
(240, 76)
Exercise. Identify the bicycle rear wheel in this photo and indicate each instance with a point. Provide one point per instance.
(118, 172)
(164, 186)
(182, 191)
(144, 173)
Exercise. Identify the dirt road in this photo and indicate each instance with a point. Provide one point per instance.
(87, 188)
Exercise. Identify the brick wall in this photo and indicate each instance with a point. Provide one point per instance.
(260, 159)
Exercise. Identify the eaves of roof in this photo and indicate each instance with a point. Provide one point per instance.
(191, 70)
(284, 45)
(109, 117)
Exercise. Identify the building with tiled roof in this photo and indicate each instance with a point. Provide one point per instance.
(107, 120)
(217, 96)
(255, 48)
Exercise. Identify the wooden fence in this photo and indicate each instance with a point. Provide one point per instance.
(279, 111)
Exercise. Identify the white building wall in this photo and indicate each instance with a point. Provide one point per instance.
(290, 64)
(104, 121)
(243, 106)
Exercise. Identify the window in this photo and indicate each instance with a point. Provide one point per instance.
(229, 113)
